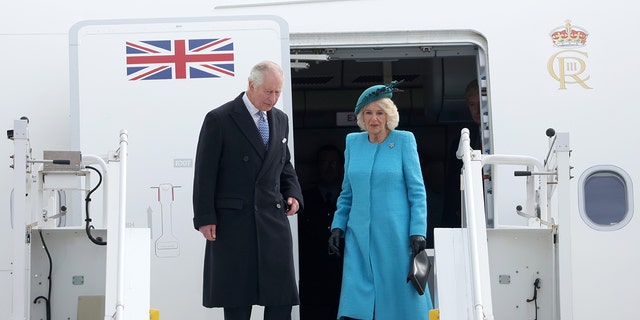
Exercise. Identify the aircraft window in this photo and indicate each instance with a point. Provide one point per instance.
(605, 198)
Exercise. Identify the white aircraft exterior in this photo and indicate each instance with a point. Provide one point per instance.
(563, 65)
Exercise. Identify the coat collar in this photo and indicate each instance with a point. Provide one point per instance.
(245, 122)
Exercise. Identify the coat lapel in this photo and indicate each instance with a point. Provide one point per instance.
(248, 128)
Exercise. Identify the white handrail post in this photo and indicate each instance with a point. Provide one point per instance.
(565, 248)
(21, 245)
(122, 210)
(476, 227)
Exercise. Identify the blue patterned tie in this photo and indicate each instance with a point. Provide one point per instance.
(263, 127)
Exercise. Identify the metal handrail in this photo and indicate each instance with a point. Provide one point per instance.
(529, 162)
(121, 224)
(464, 152)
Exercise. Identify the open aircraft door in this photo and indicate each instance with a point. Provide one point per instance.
(157, 78)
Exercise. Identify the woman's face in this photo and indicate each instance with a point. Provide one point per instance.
(375, 119)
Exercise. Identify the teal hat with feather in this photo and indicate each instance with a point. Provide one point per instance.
(376, 92)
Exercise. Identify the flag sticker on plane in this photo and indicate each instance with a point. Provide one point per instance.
(180, 59)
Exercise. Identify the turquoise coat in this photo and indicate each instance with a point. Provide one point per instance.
(382, 203)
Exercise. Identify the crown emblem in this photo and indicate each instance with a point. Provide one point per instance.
(569, 36)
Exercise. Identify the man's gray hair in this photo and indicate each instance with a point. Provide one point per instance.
(259, 70)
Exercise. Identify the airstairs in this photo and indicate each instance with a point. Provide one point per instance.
(56, 270)
(485, 271)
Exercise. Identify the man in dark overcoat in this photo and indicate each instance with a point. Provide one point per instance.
(320, 272)
(245, 187)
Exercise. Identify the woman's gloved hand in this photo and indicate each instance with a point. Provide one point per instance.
(334, 241)
(418, 243)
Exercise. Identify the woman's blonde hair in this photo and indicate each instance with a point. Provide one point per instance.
(387, 105)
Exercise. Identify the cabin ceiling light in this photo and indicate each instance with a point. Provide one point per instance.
(314, 57)
(299, 65)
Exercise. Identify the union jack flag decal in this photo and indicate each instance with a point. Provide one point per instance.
(180, 59)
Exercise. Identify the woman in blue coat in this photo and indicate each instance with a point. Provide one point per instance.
(382, 215)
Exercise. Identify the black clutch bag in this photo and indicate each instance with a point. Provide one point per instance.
(419, 271)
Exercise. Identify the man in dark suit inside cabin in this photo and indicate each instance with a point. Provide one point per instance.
(245, 187)
(452, 205)
(320, 272)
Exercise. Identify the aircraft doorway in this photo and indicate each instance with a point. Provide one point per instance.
(432, 105)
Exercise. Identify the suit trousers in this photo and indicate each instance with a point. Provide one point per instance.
(270, 313)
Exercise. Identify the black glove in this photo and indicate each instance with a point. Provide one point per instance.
(334, 241)
(418, 243)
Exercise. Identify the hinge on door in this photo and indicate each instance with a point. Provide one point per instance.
(27, 235)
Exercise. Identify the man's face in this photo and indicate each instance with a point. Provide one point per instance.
(330, 167)
(473, 103)
(265, 96)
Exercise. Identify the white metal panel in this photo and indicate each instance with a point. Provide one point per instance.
(517, 258)
(452, 272)
(5, 304)
(78, 268)
(137, 280)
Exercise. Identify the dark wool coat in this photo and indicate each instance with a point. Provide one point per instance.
(242, 189)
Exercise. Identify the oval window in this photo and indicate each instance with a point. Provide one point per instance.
(605, 197)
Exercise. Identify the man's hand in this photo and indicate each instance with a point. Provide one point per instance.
(209, 232)
(294, 206)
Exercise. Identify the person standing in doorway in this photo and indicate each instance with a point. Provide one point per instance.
(381, 214)
(320, 272)
(244, 189)
(452, 203)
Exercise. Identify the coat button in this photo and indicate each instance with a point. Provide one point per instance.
(245, 158)
(278, 205)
